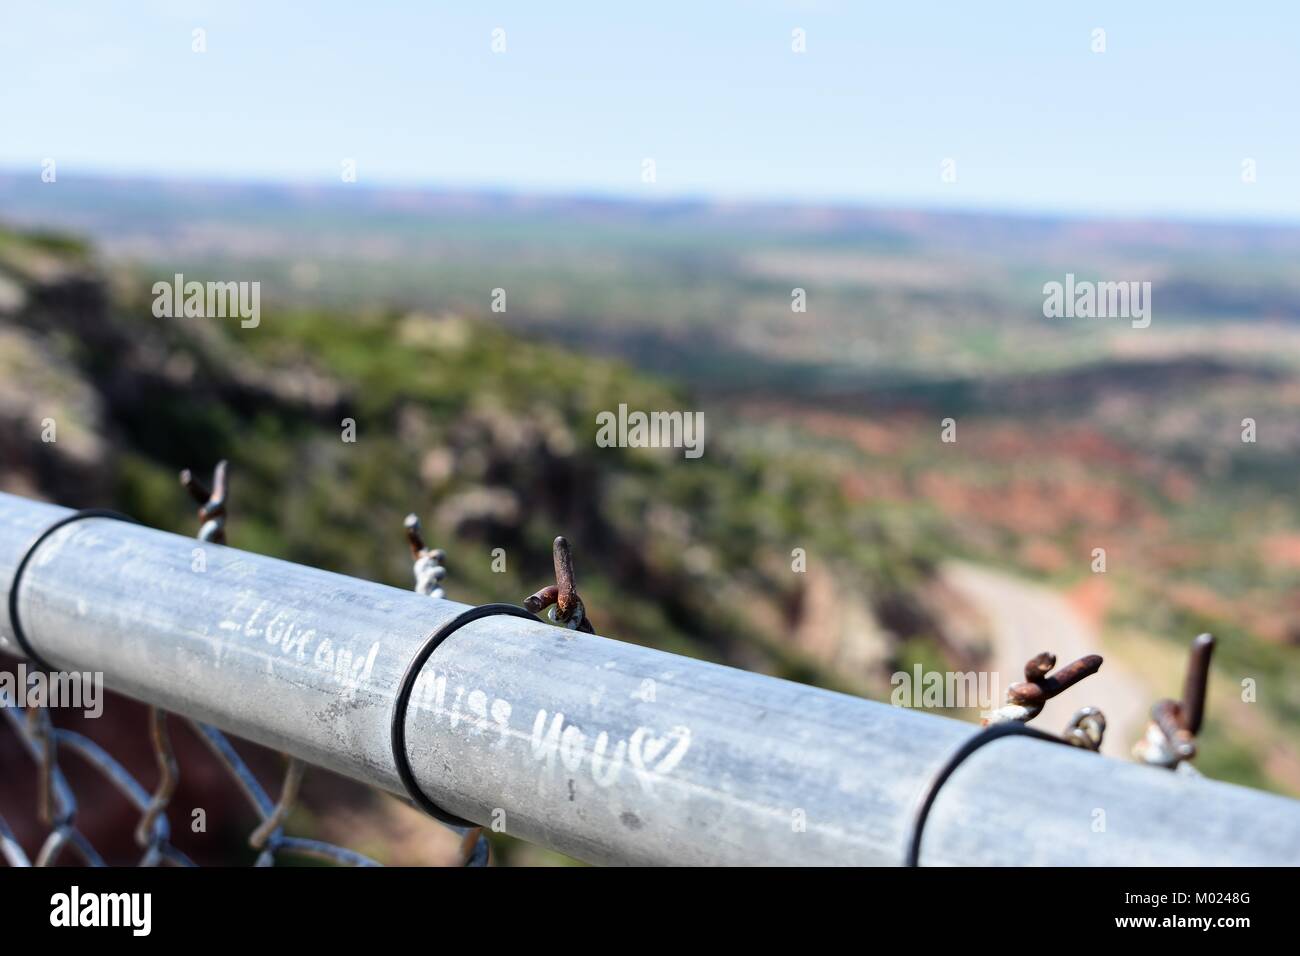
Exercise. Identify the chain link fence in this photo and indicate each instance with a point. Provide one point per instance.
(1169, 742)
(57, 803)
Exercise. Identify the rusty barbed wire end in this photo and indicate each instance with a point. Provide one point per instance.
(212, 503)
(428, 563)
(567, 601)
(1025, 700)
(216, 502)
(541, 600)
(1171, 735)
(1038, 666)
(566, 607)
(195, 486)
(1196, 683)
(414, 535)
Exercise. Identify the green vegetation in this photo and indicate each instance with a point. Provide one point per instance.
(823, 426)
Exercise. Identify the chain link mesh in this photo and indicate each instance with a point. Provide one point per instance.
(57, 802)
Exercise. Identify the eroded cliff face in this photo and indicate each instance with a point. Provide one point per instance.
(487, 435)
(80, 379)
(53, 423)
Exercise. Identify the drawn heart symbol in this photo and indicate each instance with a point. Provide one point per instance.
(646, 748)
(651, 748)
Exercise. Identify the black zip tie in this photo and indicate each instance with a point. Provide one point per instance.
(20, 638)
(985, 736)
(398, 724)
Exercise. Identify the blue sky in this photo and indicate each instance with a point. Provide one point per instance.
(1159, 124)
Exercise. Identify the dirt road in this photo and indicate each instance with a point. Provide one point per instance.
(1025, 618)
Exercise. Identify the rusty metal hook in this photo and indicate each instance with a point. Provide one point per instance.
(568, 610)
(428, 562)
(1025, 699)
(212, 504)
(1171, 736)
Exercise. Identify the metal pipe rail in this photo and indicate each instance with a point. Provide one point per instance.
(609, 752)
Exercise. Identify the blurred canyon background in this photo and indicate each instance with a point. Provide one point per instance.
(654, 191)
(823, 428)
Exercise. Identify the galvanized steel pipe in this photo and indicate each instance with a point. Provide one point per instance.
(607, 751)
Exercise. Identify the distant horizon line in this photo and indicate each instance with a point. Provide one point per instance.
(990, 210)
